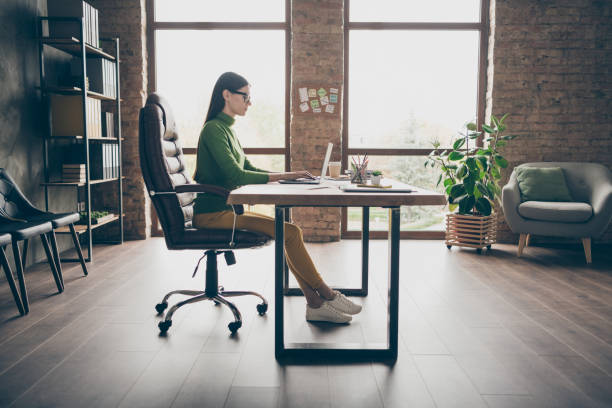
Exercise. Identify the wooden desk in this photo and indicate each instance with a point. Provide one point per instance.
(327, 194)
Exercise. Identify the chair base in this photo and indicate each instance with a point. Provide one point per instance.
(214, 293)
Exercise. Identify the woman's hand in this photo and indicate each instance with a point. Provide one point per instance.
(292, 175)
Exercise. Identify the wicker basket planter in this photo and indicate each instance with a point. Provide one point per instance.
(470, 231)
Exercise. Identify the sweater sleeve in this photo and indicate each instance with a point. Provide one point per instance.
(218, 145)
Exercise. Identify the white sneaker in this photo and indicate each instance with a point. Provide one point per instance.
(343, 304)
(326, 313)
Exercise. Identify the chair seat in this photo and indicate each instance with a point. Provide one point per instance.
(195, 238)
(569, 212)
(5, 239)
(25, 230)
(57, 220)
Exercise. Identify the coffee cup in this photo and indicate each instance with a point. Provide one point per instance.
(334, 169)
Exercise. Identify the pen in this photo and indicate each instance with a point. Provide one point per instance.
(317, 188)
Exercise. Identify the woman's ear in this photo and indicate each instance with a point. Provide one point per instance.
(225, 94)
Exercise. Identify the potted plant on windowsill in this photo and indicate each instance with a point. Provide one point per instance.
(471, 176)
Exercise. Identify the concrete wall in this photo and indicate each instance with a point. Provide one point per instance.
(21, 111)
(551, 63)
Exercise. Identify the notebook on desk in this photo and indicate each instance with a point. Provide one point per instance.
(352, 188)
(316, 180)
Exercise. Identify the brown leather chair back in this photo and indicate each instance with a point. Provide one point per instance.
(163, 166)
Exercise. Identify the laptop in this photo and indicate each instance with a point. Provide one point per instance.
(316, 180)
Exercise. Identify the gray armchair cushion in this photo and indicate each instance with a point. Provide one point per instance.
(588, 183)
(556, 211)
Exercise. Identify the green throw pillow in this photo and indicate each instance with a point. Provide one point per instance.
(542, 184)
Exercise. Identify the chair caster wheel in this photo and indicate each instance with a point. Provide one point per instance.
(216, 303)
(164, 326)
(489, 246)
(449, 246)
(234, 326)
(478, 250)
(160, 307)
(262, 308)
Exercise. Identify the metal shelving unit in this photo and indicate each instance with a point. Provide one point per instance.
(78, 48)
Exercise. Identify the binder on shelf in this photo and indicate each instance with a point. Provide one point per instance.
(67, 117)
(103, 161)
(74, 8)
(100, 73)
(108, 125)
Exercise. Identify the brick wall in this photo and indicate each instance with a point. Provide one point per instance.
(317, 46)
(551, 72)
(127, 20)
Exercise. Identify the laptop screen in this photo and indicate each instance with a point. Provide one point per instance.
(326, 161)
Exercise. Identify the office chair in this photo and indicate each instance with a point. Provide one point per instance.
(172, 192)
(24, 210)
(23, 231)
(5, 239)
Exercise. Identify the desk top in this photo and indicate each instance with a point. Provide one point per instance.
(328, 194)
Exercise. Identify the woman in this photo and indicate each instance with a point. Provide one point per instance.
(221, 161)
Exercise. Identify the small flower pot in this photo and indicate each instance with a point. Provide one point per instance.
(376, 180)
(471, 231)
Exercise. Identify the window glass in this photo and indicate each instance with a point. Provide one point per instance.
(186, 79)
(411, 87)
(455, 11)
(220, 10)
(409, 170)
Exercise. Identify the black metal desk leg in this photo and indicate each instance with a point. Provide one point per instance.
(286, 288)
(279, 284)
(365, 250)
(394, 249)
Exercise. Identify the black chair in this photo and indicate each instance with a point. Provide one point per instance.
(5, 239)
(23, 231)
(24, 210)
(172, 192)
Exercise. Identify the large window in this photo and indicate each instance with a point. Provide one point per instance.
(192, 42)
(414, 75)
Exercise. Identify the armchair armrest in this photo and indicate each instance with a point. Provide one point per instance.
(202, 188)
(601, 201)
(511, 198)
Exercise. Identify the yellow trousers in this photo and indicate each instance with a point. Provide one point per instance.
(297, 257)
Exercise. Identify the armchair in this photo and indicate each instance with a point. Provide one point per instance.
(589, 184)
(172, 192)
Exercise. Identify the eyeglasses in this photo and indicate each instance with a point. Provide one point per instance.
(245, 96)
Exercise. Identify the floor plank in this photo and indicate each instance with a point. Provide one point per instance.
(475, 330)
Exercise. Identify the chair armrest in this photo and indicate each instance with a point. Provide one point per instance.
(511, 198)
(202, 188)
(601, 201)
(208, 188)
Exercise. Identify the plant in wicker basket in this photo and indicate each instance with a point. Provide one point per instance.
(471, 179)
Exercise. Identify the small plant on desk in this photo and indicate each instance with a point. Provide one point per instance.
(376, 177)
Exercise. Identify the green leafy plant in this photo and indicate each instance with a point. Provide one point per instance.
(377, 173)
(471, 175)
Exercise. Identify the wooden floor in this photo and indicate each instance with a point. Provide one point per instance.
(475, 331)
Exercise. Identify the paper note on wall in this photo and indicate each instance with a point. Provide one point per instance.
(329, 108)
(303, 94)
(303, 106)
(312, 93)
(333, 98)
(324, 100)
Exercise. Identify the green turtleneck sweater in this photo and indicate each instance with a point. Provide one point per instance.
(221, 161)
